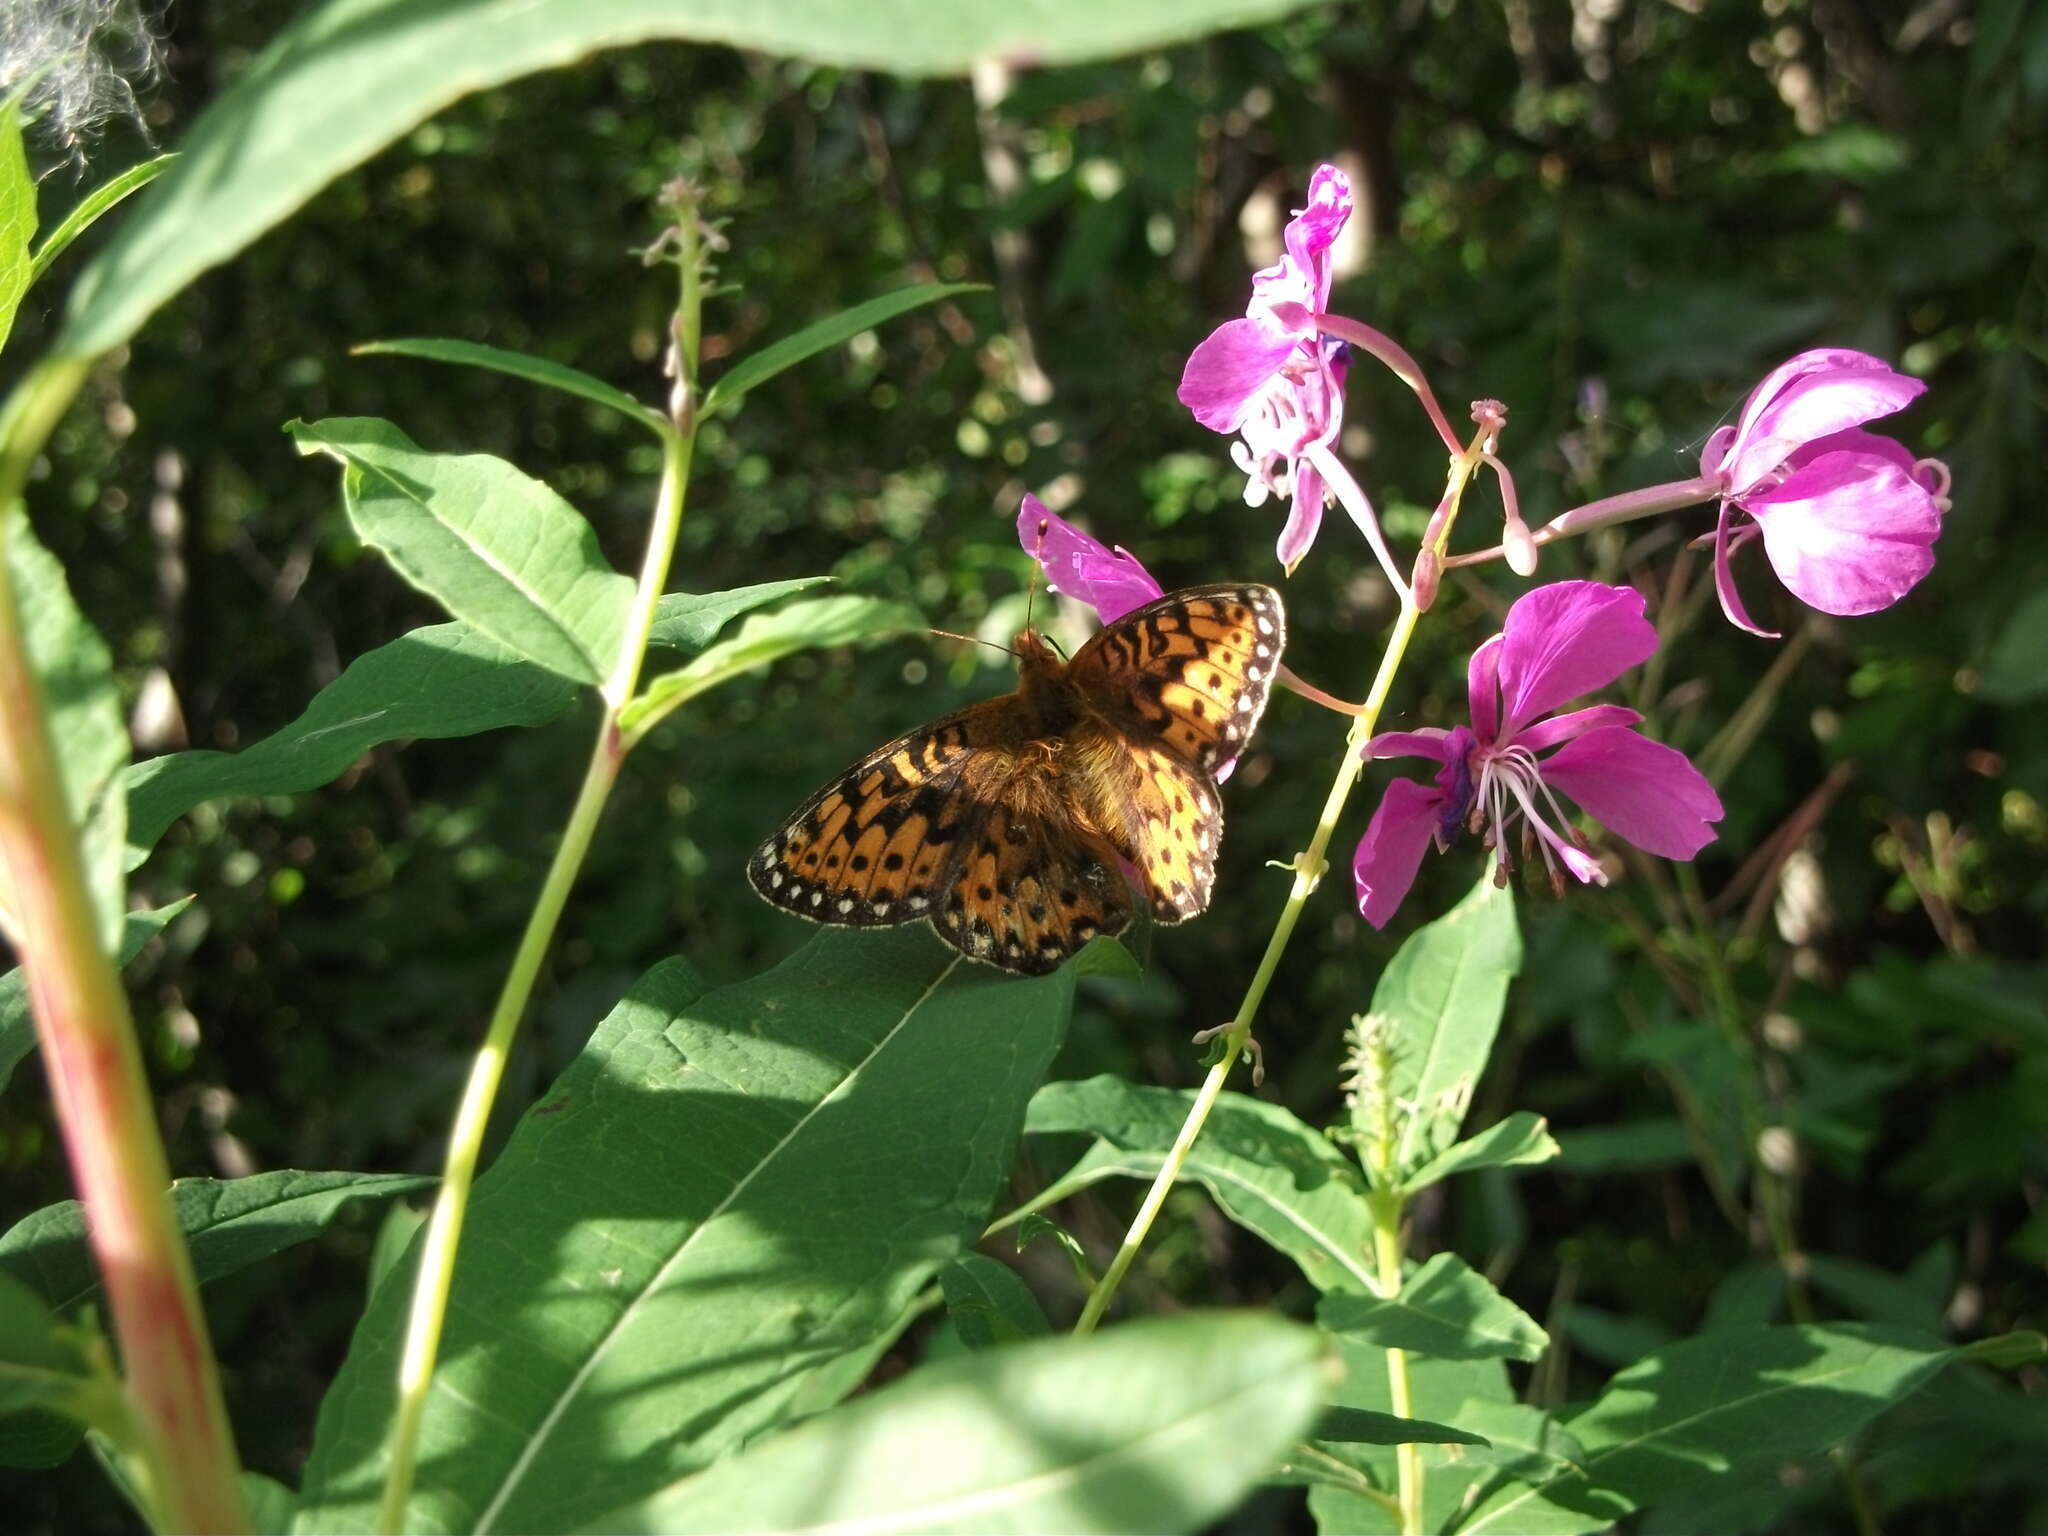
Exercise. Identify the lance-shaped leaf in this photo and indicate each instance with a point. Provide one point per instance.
(1269, 1172)
(440, 681)
(1440, 1001)
(722, 1200)
(689, 621)
(1363, 1426)
(228, 1224)
(348, 77)
(766, 638)
(1446, 1309)
(49, 1387)
(1521, 1138)
(17, 215)
(758, 368)
(1161, 1425)
(1716, 1415)
(521, 365)
(498, 549)
(92, 207)
(84, 712)
(988, 1302)
(18, 1025)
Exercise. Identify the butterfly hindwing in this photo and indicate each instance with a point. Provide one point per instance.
(1030, 890)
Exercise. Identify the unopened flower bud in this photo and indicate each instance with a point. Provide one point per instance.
(1429, 575)
(1520, 547)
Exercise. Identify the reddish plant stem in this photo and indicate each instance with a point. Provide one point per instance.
(180, 1429)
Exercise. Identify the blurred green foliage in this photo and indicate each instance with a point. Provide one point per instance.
(1644, 212)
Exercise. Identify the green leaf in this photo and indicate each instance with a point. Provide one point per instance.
(989, 1302)
(2009, 1351)
(1362, 1426)
(228, 1224)
(1446, 1309)
(1714, 1415)
(441, 681)
(1521, 1138)
(689, 621)
(723, 1199)
(350, 76)
(520, 365)
(766, 638)
(1440, 1002)
(46, 1374)
(1629, 1147)
(1161, 1425)
(271, 1504)
(92, 207)
(1748, 1296)
(1453, 1392)
(17, 1022)
(17, 216)
(84, 714)
(1877, 1295)
(1525, 1442)
(1268, 1172)
(497, 549)
(2013, 672)
(759, 367)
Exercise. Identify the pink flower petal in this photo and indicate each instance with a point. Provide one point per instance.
(1816, 394)
(1724, 579)
(1109, 581)
(1226, 372)
(1482, 688)
(1548, 733)
(1638, 789)
(1428, 742)
(1849, 531)
(1303, 518)
(1391, 851)
(1565, 640)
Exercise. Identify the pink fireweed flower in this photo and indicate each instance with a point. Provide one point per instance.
(1111, 581)
(1275, 380)
(1848, 519)
(1559, 642)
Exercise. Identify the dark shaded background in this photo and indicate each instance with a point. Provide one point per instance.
(1639, 214)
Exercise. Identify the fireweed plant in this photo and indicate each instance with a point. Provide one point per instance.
(654, 1309)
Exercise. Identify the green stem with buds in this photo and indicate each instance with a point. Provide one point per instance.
(443, 1233)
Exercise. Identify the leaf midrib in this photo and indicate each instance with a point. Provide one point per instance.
(545, 1428)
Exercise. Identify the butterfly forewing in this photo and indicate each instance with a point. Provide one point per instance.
(877, 844)
(1192, 669)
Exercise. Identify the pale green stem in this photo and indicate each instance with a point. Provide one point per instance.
(175, 1426)
(1309, 868)
(444, 1228)
(1386, 1242)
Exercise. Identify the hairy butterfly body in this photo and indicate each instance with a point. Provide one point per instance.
(1023, 826)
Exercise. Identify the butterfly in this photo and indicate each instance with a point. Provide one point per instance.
(1023, 826)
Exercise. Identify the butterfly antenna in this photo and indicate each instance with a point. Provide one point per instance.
(947, 634)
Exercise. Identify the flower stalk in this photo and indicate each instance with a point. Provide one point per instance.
(1309, 867)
